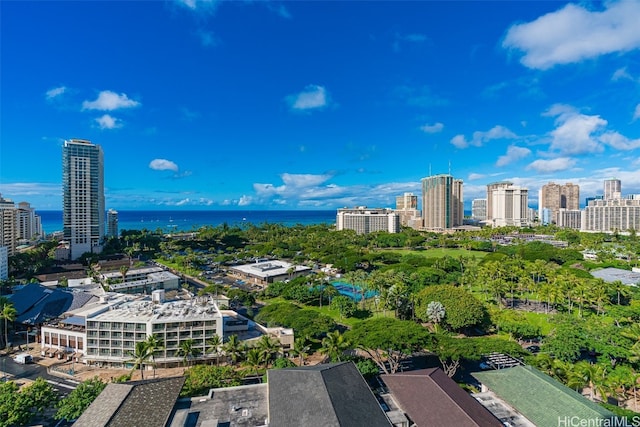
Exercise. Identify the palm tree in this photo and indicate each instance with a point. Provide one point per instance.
(334, 345)
(123, 271)
(154, 343)
(253, 360)
(591, 375)
(140, 356)
(233, 348)
(268, 348)
(213, 346)
(188, 351)
(300, 349)
(9, 313)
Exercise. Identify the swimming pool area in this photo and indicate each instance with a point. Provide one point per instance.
(347, 289)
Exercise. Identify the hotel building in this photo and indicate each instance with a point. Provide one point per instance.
(364, 220)
(479, 209)
(611, 215)
(442, 202)
(407, 208)
(83, 208)
(555, 197)
(509, 206)
(490, 188)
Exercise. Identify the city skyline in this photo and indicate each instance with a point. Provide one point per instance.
(318, 105)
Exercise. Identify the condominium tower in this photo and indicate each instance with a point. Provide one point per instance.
(8, 225)
(112, 223)
(555, 197)
(509, 206)
(612, 189)
(83, 196)
(442, 202)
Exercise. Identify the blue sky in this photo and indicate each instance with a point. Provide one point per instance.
(317, 105)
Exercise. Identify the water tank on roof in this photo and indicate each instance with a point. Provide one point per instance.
(157, 296)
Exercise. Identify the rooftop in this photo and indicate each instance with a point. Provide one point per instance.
(448, 403)
(232, 406)
(269, 269)
(612, 274)
(144, 310)
(136, 403)
(540, 398)
(328, 395)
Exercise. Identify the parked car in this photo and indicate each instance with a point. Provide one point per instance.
(23, 358)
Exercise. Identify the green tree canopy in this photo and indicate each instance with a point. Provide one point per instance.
(462, 309)
(72, 406)
(387, 341)
(201, 378)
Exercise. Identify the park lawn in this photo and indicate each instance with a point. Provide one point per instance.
(441, 252)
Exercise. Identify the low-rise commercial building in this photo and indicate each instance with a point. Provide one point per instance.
(262, 273)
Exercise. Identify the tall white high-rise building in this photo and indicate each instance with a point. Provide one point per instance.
(490, 188)
(83, 196)
(509, 206)
(442, 202)
(112, 223)
(8, 225)
(612, 189)
(407, 209)
(29, 224)
(479, 209)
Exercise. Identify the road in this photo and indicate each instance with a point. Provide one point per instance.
(32, 371)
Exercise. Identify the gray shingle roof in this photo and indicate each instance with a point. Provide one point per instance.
(146, 403)
(322, 396)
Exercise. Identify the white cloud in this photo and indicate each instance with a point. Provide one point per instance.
(636, 113)
(480, 138)
(245, 201)
(163, 165)
(312, 97)
(55, 92)
(108, 122)
(574, 33)
(434, 128)
(621, 74)
(575, 133)
(475, 176)
(553, 165)
(619, 142)
(514, 153)
(459, 141)
(109, 101)
(199, 5)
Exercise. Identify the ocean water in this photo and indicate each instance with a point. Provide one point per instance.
(171, 221)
